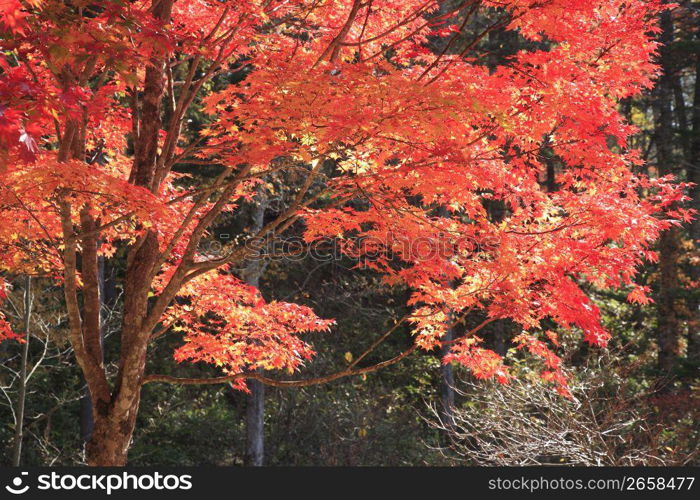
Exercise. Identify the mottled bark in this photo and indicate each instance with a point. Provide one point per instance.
(111, 436)
(114, 420)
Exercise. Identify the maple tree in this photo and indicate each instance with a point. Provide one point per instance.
(389, 135)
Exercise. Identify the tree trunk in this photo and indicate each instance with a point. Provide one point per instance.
(693, 166)
(115, 416)
(447, 382)
(255, 409)
(22, 396)
(255, 424)
(109, 443)
(86, 419)
(447, 387)
(668, 328)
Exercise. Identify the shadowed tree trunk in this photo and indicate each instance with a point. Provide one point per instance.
(668, 315)
(447, 387)
(255, 424)
(86, 420)
(693, 165)
(255, 409)
(688, 124)
(447, 381)
(22, 395)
